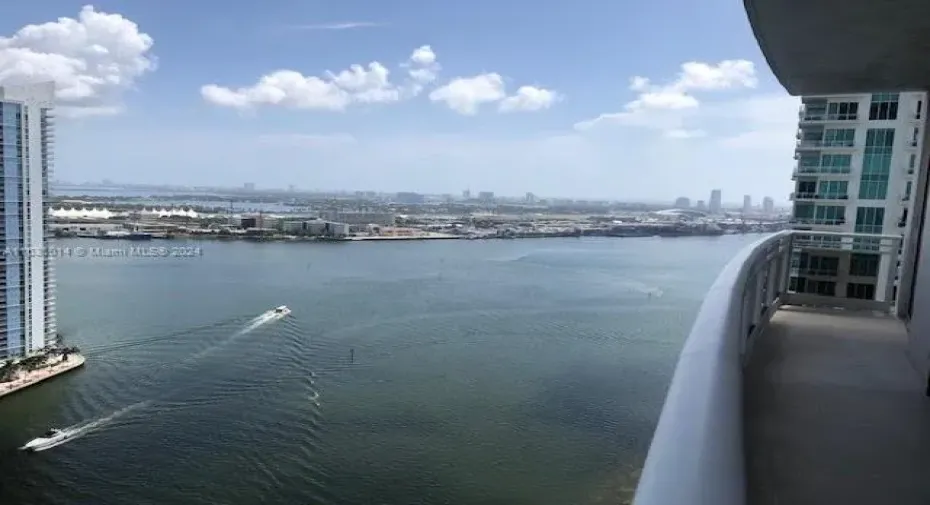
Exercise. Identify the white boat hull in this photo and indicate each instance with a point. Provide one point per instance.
(43, 443)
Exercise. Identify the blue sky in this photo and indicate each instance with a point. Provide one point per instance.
(510, 96)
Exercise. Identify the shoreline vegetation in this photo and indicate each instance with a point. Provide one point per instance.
(18, 374)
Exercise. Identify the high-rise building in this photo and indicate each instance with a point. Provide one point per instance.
(701, 205)
(747, 204)
(682, 202)
(856, 159)
(27, 300)
(768, 205)
(716, 202)
(530, 198)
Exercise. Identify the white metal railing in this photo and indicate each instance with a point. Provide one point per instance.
(821, 169)
(817, 143)
(697, 456)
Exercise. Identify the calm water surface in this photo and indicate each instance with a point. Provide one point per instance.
(512, 372)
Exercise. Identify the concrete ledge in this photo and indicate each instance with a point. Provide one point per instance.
(36, 376)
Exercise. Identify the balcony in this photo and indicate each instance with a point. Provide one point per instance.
(795, 398)
(806, 116)
(821, 170)
(821, 144)
(820, 197)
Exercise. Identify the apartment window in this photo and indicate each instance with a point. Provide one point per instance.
(832, 189)
(870, 219)
(884, 106)
(839, 137)
(861, 291)
(805, 285)
(815, 110)
(810, 160)
(863, 264)
(842, 111)
(830, 214)
(907, 190)
(876, 164)
(824, 266)
(806, 187)
(803, 210)
(903, 221)
(912, 161)
(836, 163)
(873, 187)
(920, 104)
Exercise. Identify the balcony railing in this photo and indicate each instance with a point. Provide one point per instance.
(816, 196)
(817, 116)
(697, 455)
(821, 170)
(819, 143)
(817, 221)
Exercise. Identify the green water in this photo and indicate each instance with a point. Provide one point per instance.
(512, 372)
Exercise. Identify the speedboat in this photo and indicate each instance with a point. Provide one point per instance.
(51, 438)
(281, 311)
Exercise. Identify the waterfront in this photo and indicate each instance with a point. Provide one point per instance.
(519, 372)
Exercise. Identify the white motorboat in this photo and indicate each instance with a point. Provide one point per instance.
(281, 311)
(50, 439)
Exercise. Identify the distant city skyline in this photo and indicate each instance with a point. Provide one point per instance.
(527, 196)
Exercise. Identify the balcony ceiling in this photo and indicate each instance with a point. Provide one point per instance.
(844, 46)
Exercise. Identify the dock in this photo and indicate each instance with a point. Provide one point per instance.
(33, 377)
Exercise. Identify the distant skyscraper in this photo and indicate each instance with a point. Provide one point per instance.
(716, 202)
(28, 298)
(701, 205)
(466, 194)
(747, 203)
(682, 202)
(768, 205)
(530, 198)
(249, 186)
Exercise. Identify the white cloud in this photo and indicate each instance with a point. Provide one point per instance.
(466, 94)
(422, 68)
(338, 26)
(668, 107)
(92, 59)
(333, 91)
(529, 98)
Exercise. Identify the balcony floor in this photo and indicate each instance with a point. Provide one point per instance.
(835, 413)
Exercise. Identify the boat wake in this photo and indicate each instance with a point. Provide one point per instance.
(262, 319)
(57, 437)
(76, 431)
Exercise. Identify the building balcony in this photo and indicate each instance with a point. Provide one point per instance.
(787, 397)
(806, 116)
(801, 197)
(822, 144)
(820, 170)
